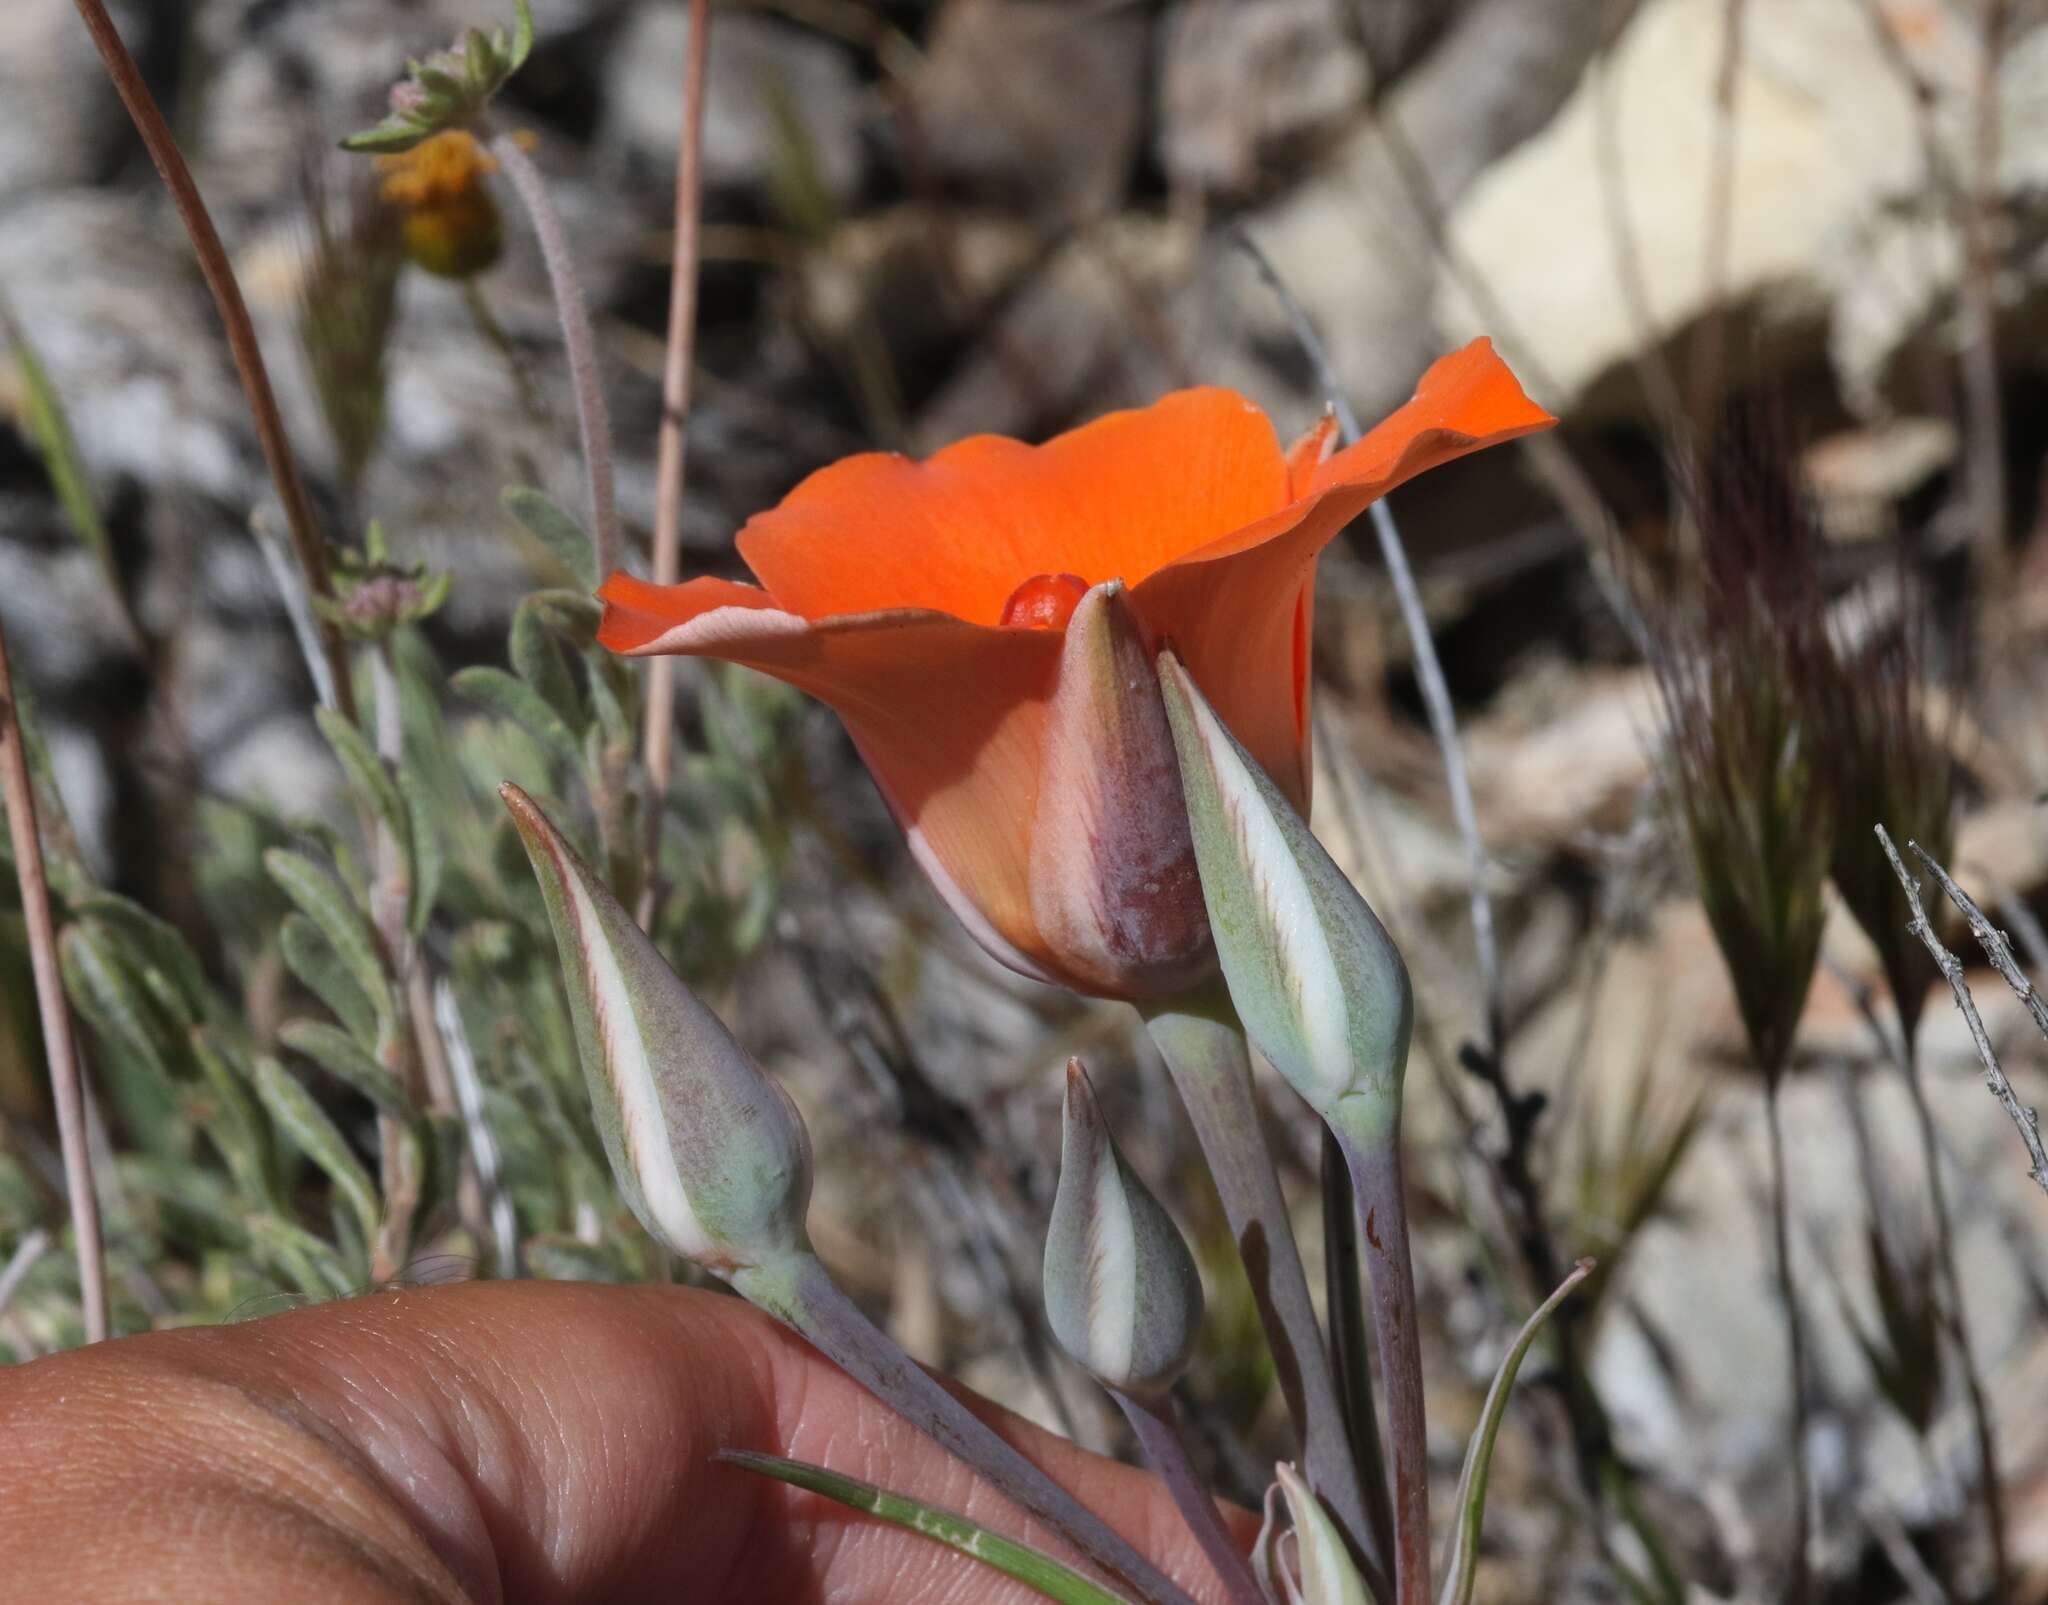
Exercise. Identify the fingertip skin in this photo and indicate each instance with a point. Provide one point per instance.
(496, 1441)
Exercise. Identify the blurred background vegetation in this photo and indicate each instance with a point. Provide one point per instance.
(924, 220)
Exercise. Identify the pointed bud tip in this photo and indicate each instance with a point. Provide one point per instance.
(710, 1153)
(1121, 1290)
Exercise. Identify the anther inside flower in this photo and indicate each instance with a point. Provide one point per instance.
(894, 590)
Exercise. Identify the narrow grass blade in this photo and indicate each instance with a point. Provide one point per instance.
(1027, 1565)
(1462, 1563)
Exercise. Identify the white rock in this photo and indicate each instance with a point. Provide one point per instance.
(763, 75)
(1827, 233)
(1040, 103)
(1239, 79)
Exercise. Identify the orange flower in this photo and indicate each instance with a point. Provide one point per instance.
(929, 604)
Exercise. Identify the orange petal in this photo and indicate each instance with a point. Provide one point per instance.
(1234, 609)
(949, 716)
(1118, 498)
(1466, 400)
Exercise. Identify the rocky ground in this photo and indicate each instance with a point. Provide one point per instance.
(927, 220)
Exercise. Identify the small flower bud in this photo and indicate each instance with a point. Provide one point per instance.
(452, 87)
(1323, 1572)
(1320, 986)
(711, 1154)
(1121, 1290)
(1114, 888)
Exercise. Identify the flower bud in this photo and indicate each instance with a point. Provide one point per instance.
(1320, 986)
(1114, 887)
(451, 88)
(710, 1154)
(1323, 1572)
(1121, 1290)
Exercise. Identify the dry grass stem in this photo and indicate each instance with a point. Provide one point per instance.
(1951, 967)
(67, 1083)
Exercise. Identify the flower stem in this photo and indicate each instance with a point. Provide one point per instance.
(1344, 1296)
(1799, 1585)
(593, 422)
(658, 740)
(1157, 1425)
(67, 1082)
(800, 1293)
(1372, 1151)
(1959, 1324)
(1205, 1053)
(219, 273)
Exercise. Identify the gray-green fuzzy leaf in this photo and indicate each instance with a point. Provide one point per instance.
(344, 1058)
(321, 899)
(557, 531)
(317, 1137)
(512, 698)
(312, 959)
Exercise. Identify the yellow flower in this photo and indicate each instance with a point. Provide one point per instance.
(451, 224)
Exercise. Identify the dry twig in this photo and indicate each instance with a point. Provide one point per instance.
(67, 1084)
(658, 741)
(234, 315)
(1995, 948)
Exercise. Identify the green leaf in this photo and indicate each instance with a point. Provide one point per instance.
(344, 1058)
(611, 688)
(348, 933)
(522, 36)
(174, 974)
(427, 857)
(392, 137)
(303, 1120)
(105, 991)
(309, 957)
(513, 699)
(231, 1124)
(537, 659)
(51, 427)
(368, 773)
(1019, 1561)
(1461, 1565)
(555, 530)
(302, 1259)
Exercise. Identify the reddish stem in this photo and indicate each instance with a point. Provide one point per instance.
(67, 1084)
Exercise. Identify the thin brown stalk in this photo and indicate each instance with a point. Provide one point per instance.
(1994, 944)
(1653, 368)
(1993, 1490)
(67, 1085)
(1800, 1585)
(658, 741)
(219, 273)
(1985, 469)
(1710, 345)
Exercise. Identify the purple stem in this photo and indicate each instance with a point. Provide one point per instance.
(1157, 1425)
(1373, 1153)
(1205, 1053)
(801, 1293)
